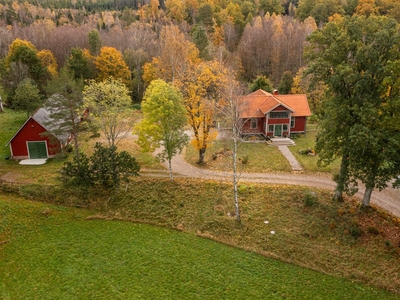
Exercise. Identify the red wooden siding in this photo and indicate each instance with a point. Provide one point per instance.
(248, 130)
(299, 125)
(30, 132)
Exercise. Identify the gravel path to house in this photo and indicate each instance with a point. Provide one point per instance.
(388, 199)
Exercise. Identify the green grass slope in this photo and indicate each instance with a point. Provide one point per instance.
(53, 252)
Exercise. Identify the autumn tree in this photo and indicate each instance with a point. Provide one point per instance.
(5, 41)
(202, 88)
(108, 103)
(176, 10)
(164, 118)
(48, 61)
(23, 53)
(175, 52)
(110, 64)
(143, 45)
(358, 59)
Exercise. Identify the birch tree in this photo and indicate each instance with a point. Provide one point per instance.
(229, 109)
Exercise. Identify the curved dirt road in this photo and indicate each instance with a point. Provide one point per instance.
(388, 199)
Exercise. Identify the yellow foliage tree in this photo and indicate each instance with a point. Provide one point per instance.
(202, 88)
(110, 64)
(366, 8)
(176, 10)
(48, 61)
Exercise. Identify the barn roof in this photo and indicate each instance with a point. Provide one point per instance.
(259, 103)
(42, 116)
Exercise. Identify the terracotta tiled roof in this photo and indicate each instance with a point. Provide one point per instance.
(258, 103)
(298, 102)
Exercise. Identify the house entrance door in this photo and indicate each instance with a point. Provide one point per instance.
(37, 150)
(278, 130)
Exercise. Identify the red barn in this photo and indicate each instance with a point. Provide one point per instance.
(35, 138)
(273, 115)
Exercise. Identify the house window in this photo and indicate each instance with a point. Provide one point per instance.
(292, 122)
(270, 128)
(279, 114)
(285, 128)
(254, 123)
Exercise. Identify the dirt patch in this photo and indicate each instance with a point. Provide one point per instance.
(14, 178)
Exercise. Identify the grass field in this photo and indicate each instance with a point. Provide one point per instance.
(310, 231)
(10, 121)
(53, 252)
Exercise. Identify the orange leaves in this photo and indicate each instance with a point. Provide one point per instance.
(48, 61)
(110, 63)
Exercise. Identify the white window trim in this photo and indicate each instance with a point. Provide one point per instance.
(253, 121)
(279, 111)
(294, 122)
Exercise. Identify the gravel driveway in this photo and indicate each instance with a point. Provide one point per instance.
(388, 199)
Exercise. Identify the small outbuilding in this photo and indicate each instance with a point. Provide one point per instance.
(36, 138)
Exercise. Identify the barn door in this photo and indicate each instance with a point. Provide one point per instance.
(37, 150)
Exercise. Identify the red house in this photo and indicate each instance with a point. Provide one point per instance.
(31, 142)
(273, 115)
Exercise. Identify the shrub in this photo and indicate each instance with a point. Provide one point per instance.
(244, 159)
(373, 230)
(137, 106)
(355, 231)
(310, 199)
(106, 167)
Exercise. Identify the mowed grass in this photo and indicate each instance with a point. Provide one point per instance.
(10, 121)
(261, 157)
(53, 252)
(308, 162)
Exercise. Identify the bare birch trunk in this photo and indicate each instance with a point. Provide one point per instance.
(235, 177)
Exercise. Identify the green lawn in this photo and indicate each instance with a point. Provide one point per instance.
(53, 252)
(261, 157)
(10, 122)
(309, 163)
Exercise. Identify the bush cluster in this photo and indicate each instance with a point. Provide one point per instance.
(105, 167)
